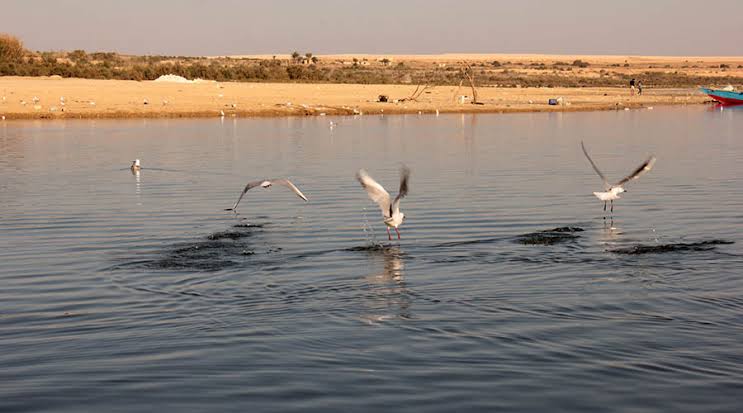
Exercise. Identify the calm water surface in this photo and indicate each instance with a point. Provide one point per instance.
(509, 290)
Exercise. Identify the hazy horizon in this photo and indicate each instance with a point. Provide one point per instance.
(197, 28)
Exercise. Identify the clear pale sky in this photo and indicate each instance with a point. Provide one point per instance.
(200, 27)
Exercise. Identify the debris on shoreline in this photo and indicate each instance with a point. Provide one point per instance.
(170, 78)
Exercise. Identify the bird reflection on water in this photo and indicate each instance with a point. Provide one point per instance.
(610, 232)
(388, 296)
(138, 186)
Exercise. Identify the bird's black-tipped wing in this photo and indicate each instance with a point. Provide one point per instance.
(287, 183)
(595, 168)
(247, 188)
(646, 166)
(404, 177)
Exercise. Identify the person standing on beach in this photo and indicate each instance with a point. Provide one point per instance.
(639, 87)
(632, 86)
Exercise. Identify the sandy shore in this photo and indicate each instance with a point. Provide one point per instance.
(85, 98)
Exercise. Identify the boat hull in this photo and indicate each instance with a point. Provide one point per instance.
(725, 97)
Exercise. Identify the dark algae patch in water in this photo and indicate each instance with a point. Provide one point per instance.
(247, 226)
(368, 248)
(675, 247)
(227, 235)
(219, 250)
(550, 236)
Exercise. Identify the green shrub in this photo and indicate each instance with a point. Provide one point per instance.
(11, 49)
(78, 56)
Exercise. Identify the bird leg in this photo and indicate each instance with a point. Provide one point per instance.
(389, 236)
(398, 233)
(612, 206)
(604, 206)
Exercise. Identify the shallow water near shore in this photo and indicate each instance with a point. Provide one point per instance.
(509, 289)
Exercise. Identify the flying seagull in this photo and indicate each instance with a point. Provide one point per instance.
(611, 192)
(267, 183)
(390, 208)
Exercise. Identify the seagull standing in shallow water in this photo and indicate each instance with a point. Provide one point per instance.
(611, 192)
(267, 183)
(390, 208)
(135, 165)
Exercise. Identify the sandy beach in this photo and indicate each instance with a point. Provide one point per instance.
(86, 98)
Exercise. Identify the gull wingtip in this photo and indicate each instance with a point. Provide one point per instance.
(651, 161)
(361, 174)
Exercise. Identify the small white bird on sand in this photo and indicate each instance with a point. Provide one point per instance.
(267, 183)
(135, 165)
(611, 192)
(390, 208)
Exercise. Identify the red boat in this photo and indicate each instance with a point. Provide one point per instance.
(725, 97)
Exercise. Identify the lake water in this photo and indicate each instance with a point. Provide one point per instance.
(508, 291)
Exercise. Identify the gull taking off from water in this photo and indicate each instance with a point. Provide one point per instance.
(390, 208)
(135, 165)
(611, 192)
(267, 183)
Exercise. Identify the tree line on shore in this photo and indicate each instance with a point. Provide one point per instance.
(15, 60)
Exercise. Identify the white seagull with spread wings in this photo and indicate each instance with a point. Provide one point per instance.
(267, 183)
(390, 208)
(611, 192)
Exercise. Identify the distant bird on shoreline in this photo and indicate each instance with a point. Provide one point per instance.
(267, 183)
(611, 192)
(390, 208)
(135, 165)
